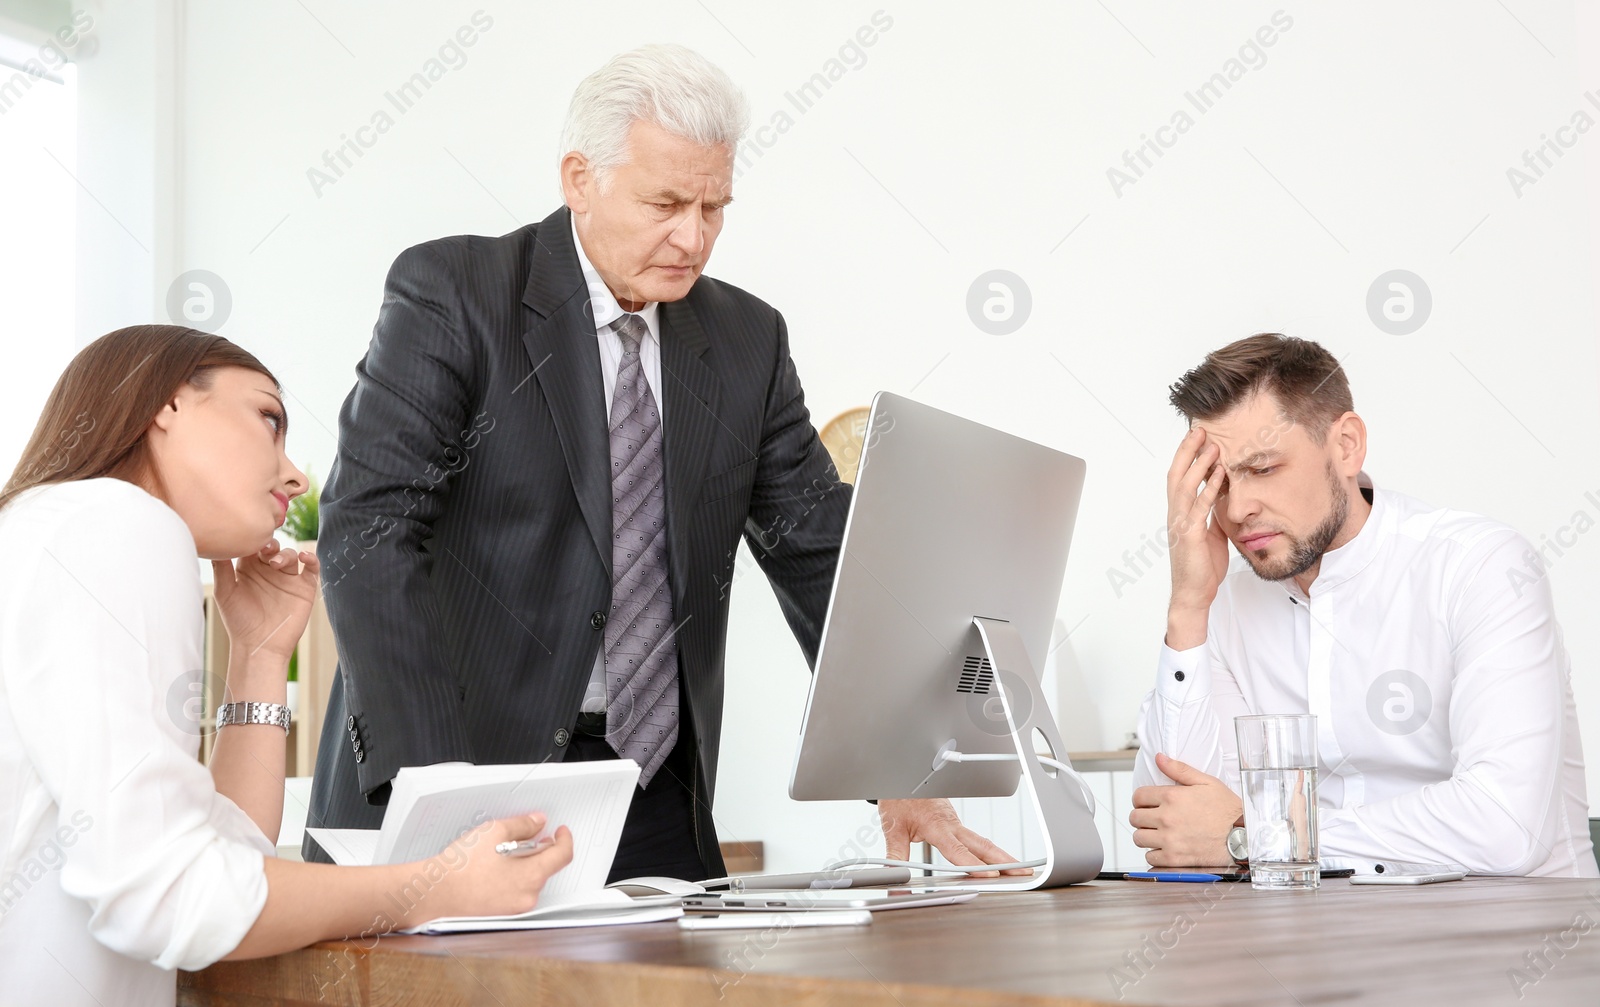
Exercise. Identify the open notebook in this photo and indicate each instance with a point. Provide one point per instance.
(430, 806)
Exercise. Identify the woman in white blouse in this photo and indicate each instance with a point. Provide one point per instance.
(122, 858)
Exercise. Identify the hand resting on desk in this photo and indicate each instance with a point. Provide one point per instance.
(1185, 825)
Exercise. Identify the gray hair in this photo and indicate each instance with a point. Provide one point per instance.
(669, 85)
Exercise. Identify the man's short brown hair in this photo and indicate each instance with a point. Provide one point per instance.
(1306, 380)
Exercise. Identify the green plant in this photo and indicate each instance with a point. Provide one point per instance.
(300, 523)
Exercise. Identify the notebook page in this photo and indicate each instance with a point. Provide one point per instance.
(348, 847)
(590, 799)
(640, 914)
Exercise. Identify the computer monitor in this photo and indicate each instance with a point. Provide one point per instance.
(939, 624)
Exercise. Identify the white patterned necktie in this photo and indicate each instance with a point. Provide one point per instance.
(641, 648)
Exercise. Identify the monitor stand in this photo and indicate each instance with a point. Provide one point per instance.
(1073, 851)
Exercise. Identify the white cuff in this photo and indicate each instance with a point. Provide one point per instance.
(1183, 676)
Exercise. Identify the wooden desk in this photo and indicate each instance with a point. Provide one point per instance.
(1455, 943)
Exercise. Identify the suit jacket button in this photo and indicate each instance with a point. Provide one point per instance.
(598, 620)
(360, 755)
(350, 723)
(562, 737)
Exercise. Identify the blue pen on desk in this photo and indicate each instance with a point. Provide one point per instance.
(1171, 876)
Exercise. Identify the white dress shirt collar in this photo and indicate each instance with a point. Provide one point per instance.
(1341, 564)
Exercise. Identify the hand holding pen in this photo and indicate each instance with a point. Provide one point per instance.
(524, 847)
(480, 880)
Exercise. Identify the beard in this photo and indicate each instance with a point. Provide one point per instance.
(1304, 553)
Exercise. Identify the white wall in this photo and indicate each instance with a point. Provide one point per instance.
(1375, 137)
(38, 220)
(131, 216)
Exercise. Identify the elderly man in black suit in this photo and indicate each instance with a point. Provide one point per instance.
(555, 440)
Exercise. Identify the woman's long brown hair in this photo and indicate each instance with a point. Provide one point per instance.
(99, 413)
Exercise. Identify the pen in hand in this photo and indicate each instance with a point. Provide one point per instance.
(523, 848)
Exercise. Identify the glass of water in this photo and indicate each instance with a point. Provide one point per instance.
(1278, 768)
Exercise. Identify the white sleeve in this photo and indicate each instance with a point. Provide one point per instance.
(1498, 813)
(1189, 715)
(100, 661)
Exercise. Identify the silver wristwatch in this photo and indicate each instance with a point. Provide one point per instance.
(253, 713)
(1238, 847)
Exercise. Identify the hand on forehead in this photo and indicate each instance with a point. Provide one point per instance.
(1252, 432)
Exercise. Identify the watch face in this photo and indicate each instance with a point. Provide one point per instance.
(1237, 847)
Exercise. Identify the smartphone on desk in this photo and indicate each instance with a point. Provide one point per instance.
(1243, 873)
(828, 899)
(777, 921)
(1408, 878)
(1222, 873)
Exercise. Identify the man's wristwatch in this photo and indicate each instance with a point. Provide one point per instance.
(253, 713)
(1238, 847)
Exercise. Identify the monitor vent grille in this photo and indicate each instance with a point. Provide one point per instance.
(977, 676)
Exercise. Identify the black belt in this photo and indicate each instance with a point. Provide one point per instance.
(591, 724)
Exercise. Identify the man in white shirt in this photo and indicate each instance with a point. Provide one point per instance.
(1446, 728)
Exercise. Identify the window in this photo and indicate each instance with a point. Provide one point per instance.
(38, 223)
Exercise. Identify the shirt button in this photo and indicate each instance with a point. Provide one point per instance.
(562, 737)
(598, 620)
(1178, 675)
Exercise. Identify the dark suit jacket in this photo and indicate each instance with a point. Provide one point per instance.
(466, 523)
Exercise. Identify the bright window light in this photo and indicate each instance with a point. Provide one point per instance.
(38, 224)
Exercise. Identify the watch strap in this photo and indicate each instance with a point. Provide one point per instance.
(253, 713)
